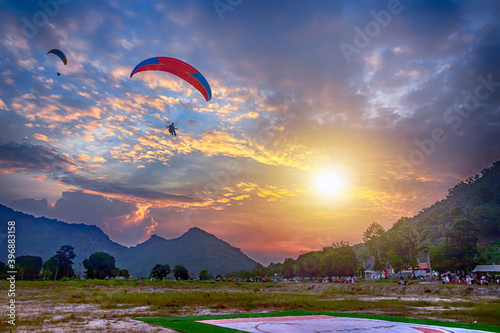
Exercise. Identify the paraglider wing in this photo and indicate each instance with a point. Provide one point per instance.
(60, 55)
(179, 68)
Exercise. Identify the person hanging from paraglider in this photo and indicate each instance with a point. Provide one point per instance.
(171, 129)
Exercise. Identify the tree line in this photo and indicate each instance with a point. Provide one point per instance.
(401, 247)
(99, 265)
(338, 259)
(398, 248)
(60, 266)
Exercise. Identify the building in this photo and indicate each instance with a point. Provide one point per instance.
(487, 269)
(422, 266)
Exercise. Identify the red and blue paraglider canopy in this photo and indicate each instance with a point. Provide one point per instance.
(179, 68)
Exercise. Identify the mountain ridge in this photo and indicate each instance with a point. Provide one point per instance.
(41, 236)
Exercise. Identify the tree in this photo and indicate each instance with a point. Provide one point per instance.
(259, 270)
(51, 268)
(440, 259)
(345, 263)
(123, 272)
(99, 266)
(402, 243)
(373, 239)
(308, 264)
(31, 266)
(362, 254)
(461, 245)
(288, 268)
(61, 265)
(459, 249)
(205, 276)
(339, 260)
(180, 272)
(244, 274)
(274, 268)
(327, 264)
(160, 271)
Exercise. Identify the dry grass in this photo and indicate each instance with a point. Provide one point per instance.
(108, 305)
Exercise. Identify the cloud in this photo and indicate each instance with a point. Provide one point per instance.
(51, 110)
(32, 158)
(122, 191)
(40, 137)
(31, 206)
(285, 103)
(124, 222)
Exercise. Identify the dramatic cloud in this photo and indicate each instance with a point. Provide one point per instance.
(25, 157)
(398, 97)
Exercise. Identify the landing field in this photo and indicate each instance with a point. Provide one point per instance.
(311, 322)
(111, 306)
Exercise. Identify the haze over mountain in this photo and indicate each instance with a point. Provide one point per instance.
(196, 249)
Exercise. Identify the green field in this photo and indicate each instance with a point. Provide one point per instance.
(110, 305)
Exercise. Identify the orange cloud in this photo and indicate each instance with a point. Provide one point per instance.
(98, 159)
(41, 137)
(50, 109)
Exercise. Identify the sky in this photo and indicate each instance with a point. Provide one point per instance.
(325, 116)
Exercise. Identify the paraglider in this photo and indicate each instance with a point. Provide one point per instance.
(179, 68)
(60, 55)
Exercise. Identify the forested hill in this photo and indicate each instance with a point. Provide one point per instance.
(476, 199)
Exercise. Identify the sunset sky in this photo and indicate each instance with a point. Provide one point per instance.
(325, 116)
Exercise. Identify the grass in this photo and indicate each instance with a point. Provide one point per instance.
(191, 324)
(38, 301)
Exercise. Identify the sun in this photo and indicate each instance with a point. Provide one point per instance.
(330, 183)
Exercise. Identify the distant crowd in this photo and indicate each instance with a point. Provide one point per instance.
(484, 279)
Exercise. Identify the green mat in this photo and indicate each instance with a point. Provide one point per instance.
(189, 324)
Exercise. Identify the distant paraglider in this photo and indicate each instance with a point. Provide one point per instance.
(179, 68)
(60, 55)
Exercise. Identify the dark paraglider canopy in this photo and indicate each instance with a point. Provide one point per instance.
(60, 55)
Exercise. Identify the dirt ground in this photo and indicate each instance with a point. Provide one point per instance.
(76, 317)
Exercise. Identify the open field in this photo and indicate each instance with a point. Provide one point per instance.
(89, 306)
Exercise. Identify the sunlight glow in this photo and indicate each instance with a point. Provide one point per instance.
(330, 183)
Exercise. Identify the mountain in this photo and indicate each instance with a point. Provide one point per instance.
(196, 249)
(43, 237)
(476, 199)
